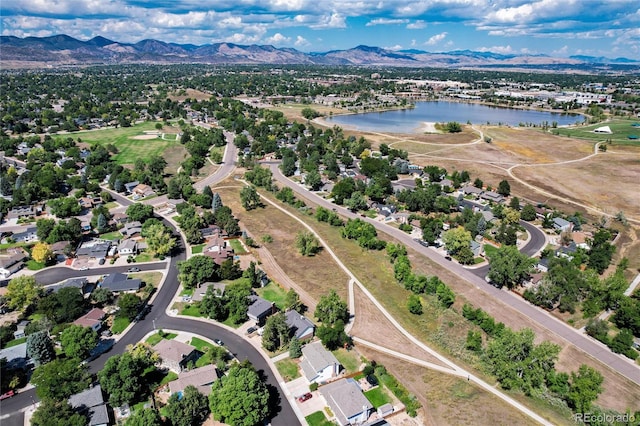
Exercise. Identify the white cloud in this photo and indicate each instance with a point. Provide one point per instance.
(497, 49)
(335, 20)
(301, 42)
(386, 21)
(562, 51)
(278, 38)
(436, 39)
(396, 47)
(417, 25)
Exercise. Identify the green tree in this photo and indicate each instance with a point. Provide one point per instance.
(307, 243)
(102, 296)
(123, 378)
(216, 202)
(295, 348)
(22, 292)
(453, 127)
(241, 398)
(356, 202)
(40, 348)
(144, 417)
(196, 270)
(249, 198)
(57, 413)
(77, 341)
(445, 295)
(276, 333)
(139, 212)
(584, 388)
(214, 305)
(71, 304)
(309, 113)
(414, 304)
(528, 213)
(159, 239)
(455, 239)
(60, 379)
(331, 308)
(129, 304)
(292, 301)
(504, 188)
(189, 409)
(508, 267)
(313, 180)
(343, 190)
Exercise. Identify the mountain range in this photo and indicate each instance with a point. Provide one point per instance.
(65, 50)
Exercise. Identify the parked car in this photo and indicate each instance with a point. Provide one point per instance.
(134, 269)
(84, 268)
(8, 394)
(218, 342)
(303, 398)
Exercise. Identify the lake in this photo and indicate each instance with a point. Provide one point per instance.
(411, 120)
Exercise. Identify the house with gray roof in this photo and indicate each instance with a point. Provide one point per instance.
(259, 309)
(176, 355)
(347, 402)
(117, 282)
(201, 378)
(91, 403)
(80, 283)
(562, 225)
(494, 197)
(471, 190)
(128, 247)
(94, 249)
(131, 228)
(301, 327)
(198, 293)
(16, 356)
(318, 364)
(26, 235)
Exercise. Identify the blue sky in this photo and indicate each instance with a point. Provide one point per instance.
(554, 27)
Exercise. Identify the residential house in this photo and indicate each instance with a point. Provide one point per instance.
(16, 356)
(129, 186)
(567, 251)
(80, 283)
(318, 364)
(580, 238)
(561, 225)
(60, 250)
(347, 402)
(11, 262)
(259, 309)
(387, 210)
(301, 327)
(176, 355)
(92, 319)
(128, 247)
(142, 190)
(131, 229)
(91, 403)
(118, 282)
(476, 248)
(198, 293)
(213, 231)
(19, 333)
(94, 249)
(543, 264)
(27, 235)
(119, 218)
(491, 196)
(218, 250)
(475, 206)
(201, 378)
(488, 216)
(471, 190)
(22, 212)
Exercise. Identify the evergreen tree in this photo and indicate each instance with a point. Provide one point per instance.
(40, 348)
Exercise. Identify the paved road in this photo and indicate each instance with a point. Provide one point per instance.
(228, 163)
(476, 277)
(157, 317)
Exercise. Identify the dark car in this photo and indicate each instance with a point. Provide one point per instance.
(218, 342)
(251, 330)
(306, 396)
(448, 257)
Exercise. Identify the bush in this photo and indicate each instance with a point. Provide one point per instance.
(313, 387)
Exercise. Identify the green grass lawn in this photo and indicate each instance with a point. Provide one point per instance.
(621, 130)
(186, 292)
(144, 257)
(119, 324)
(349, 360)
(32, 265)
(154, 339)
(15, 342)
(273, 293)
(197, 249)
(318, 419)
(237, 246)
(200, 344)
(111, 236)
(490, 250)
(192, 311)
(171, 376)
(377, 397)
(129, 149)
(288, 369)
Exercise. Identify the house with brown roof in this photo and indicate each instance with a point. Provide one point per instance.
(218, 250)
(92, 319)
(201, 378)
(142, 190)
(176, 355)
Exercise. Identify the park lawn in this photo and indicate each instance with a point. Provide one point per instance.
(237, 246)
(197, 249)
(129, 149)
(288, 369)
(273, 293)
(15, 342)
(318, 419)
(350, 360)
(119, 324)
(377, 397)
(621, 130)
(32, 265)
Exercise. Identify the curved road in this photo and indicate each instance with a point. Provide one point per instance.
(158, 317)
(476, 277)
